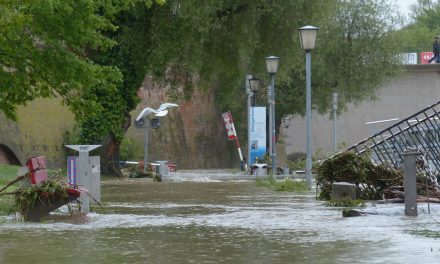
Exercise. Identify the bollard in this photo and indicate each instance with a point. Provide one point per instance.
(286, 171)
(409, 180)
(163, 167)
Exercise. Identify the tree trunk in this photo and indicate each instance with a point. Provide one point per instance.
(110, 157)
(110, 153)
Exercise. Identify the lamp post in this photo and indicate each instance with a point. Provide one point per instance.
(307, 36)
(334, 110)
(142, 119)
(286, 122)
(249, 94)
(252, 86)
(272, 63)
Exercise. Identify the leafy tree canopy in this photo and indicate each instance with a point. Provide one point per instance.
(45, 46)
(222, 41)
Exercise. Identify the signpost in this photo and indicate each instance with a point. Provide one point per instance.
(230, 131)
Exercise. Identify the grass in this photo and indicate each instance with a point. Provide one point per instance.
(7, 173)
(286, 185)
(7, 203)
(425, 233)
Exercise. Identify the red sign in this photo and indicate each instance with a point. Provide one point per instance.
(425, 57)
(229, 125)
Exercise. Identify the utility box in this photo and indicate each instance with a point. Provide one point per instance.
(163, 167)
(93, 180)
(88, 174)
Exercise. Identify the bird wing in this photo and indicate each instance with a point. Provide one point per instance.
(145, 112)
(162, 113)
(165, 106)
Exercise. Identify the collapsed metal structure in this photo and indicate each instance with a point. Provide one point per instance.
(419, 131)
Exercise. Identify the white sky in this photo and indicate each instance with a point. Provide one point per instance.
(404, 5)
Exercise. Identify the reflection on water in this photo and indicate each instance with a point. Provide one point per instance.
(212, 222)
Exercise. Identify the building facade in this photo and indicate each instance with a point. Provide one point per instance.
(416, 88)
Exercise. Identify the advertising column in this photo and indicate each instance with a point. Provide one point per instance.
(257, 133)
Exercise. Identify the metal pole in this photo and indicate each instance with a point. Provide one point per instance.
(308, 121)
(272, 124)
(269, 101)
(146, 144)
(409, 181)
(334, 109)
(248, 93)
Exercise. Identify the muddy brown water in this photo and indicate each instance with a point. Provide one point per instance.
(221, 222)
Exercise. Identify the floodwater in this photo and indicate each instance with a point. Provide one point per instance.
(222, 222)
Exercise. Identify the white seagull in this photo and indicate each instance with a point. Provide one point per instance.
(161, 111)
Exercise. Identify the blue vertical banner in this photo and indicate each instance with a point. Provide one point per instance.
(257, 133)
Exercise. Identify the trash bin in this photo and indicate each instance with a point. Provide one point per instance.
(260, 169)
(163, 167)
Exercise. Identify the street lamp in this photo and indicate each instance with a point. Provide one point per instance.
(142, 119)
(307, 36)
(254, 84)
(272, 68)
(286, 121)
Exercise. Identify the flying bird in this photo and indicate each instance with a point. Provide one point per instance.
(161, 111)
(165, 106)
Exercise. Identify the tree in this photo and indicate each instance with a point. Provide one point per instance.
(47, 48)
(43, 51)
(221, 41)
(418, 35)
(199, 44)
(218, 42)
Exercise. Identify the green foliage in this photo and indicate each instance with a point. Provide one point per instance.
(95, 54)
(52, 188)
(425, 25)
(8, 205)
(369, 179)
(129, 150)
(43, 51)
(345, 202)
(7, 173)
(286, 185)
(425, 233)
(299, 164)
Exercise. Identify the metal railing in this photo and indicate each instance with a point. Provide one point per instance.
(421, 130)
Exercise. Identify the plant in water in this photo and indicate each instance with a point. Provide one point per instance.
(52, 188)
(286, 185)
(345, 202)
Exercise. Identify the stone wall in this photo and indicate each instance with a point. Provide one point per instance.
(38, 132)
(191, 135)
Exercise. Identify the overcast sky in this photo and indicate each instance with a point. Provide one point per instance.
(404, 5)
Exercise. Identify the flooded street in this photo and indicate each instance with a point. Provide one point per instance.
(222, 222)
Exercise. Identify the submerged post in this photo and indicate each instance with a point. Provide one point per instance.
(409, 180)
